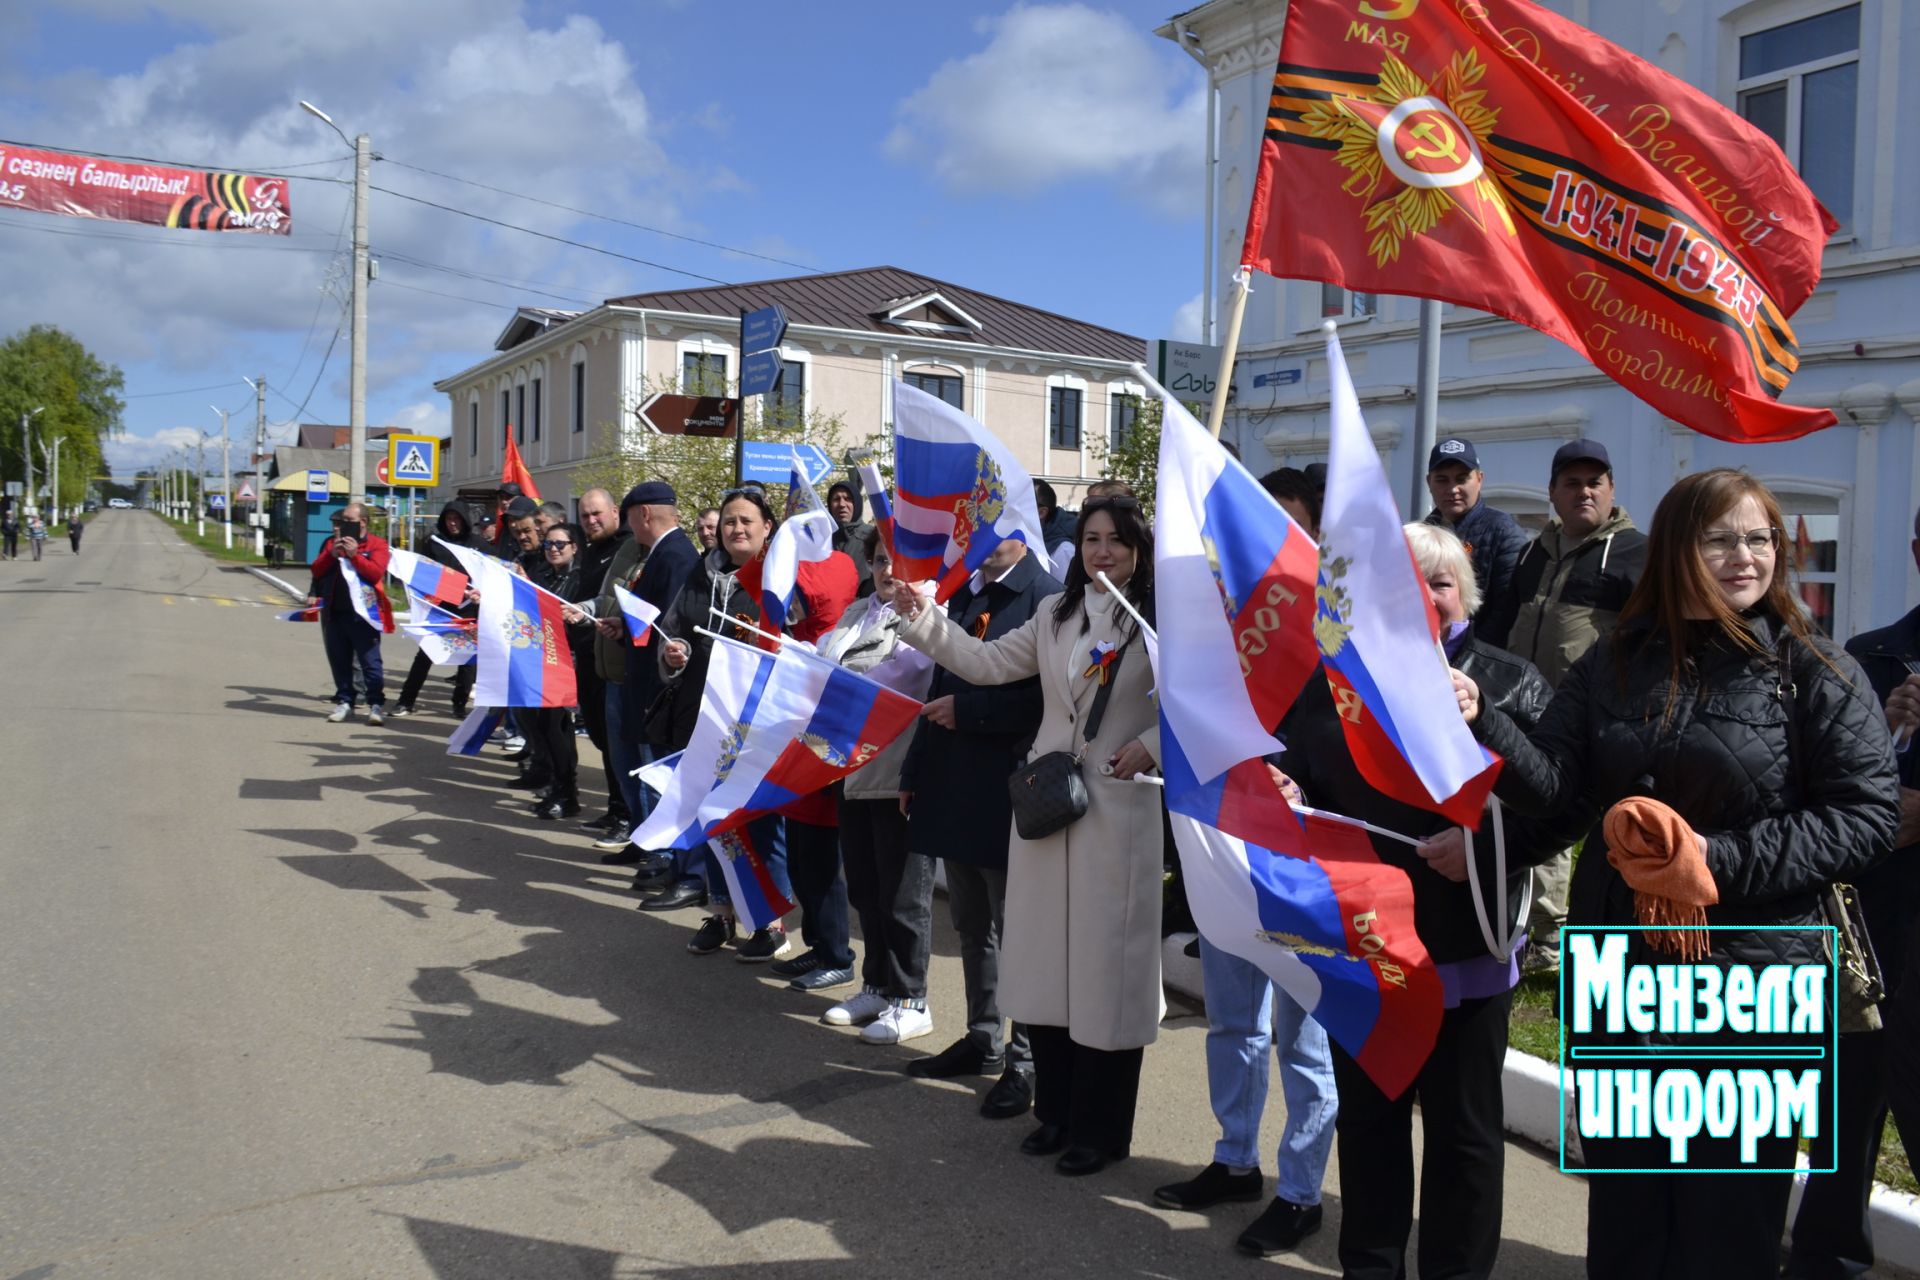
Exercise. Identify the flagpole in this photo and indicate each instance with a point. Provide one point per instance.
(1242, 288)
(1426, 406)
(1121, 600)
(800, 648)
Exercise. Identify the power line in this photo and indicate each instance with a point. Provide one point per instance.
(604, 217)
(179, 391)
(505, 282)
(577, 244)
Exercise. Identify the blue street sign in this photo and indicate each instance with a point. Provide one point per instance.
(217, 502)
(1277, 378)
(762, 330)
(759, 372)
(319, 485)
(770, 462)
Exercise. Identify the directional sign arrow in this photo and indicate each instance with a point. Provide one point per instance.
(771, 462)
(675, 415)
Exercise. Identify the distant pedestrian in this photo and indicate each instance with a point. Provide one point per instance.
(10, 532)
(36, 534)
(74, 528)
(450, 528)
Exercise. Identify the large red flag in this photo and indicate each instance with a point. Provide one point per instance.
(514, 471)
(1493, 154)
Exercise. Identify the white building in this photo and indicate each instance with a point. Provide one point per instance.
(1824, 77)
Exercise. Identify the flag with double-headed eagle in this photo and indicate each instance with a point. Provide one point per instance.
(1499, 156)
(959, 493)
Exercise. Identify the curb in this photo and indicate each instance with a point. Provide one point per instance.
(1530, 1089)
(272, 580)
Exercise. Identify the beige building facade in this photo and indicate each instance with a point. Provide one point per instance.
(565, 386)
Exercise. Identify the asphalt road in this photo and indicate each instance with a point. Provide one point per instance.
(286, 998)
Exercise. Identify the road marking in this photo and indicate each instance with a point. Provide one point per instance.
(166, 599)
(223, 602)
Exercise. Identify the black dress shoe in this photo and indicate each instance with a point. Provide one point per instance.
(532, 782)
(605, 822)
(656, 882)
(961, 1058)
(521, 754)
(1216, 1184)
(686, 893)
(625, 857)
(1283, 1225)
(1081, 1161)
(1045, 1140)
(557, 808)
(1011, 1095)
(653, 864)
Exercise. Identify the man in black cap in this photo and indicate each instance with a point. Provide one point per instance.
(1566, 594)
(654, 566)
(1494, 539)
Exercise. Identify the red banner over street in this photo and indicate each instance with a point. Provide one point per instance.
(89, 187)
(1493, 154)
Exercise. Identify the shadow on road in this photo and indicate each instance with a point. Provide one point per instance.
(904, 1175)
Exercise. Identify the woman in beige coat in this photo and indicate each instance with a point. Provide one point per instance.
(1080, 951)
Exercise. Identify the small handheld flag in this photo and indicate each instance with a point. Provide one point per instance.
(473, 732)
(640, 615)
(428, 577)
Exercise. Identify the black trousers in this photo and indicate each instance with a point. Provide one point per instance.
(1680, 1226)
(417, 678)
(553, 757)
(593, 712)
(1831, 1238)
(892, 892)
(1464, 1156)
(1093, 1092)
(977, 902)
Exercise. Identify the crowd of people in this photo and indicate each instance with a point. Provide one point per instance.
(1673, 667)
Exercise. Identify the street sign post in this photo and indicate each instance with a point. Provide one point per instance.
(380, 472)
(246, 493)
(319, 486)
(771, 462)
(217, 501)
(412, 462)
(1190, 370)
(759, 373)
(762, 330)
(675, 415)
(760, 335)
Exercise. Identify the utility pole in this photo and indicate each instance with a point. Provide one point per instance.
(226, 477)
(259, 386)
(26, 455)
(200, 477)
(357, 411)
(53, 478)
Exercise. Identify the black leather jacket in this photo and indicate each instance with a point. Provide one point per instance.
(1777, 830)
(1317, 758)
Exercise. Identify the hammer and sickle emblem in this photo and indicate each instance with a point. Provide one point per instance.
(1442, 143)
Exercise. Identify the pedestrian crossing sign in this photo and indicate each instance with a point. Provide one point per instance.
(413, 461)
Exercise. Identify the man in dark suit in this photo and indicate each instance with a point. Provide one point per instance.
(655, 566)
(969, 739)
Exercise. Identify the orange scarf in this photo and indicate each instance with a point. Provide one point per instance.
(1655, 852)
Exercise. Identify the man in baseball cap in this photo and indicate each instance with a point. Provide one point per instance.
(1494, 539)
(1567, 594)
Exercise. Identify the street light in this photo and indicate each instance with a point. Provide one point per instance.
(357, 378)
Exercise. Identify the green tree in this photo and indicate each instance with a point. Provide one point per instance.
(79, 401)
(1135, 457)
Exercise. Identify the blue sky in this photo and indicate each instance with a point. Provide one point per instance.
(1050, 153)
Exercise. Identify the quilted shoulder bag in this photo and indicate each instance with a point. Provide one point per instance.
(1048, 792)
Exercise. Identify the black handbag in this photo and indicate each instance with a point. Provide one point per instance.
(1048, 792)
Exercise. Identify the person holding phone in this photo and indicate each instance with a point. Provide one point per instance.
(348, 638)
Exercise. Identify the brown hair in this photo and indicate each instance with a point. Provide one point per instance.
(1676, 575)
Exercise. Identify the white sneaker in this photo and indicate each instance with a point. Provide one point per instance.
(376, 717)
(899, 1023)
(339, 713)
(857, 1011)
(514, 743)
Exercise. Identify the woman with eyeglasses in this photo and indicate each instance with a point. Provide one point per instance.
(1080, 947)
(549, 730)
(713, 599)
(1756, 769)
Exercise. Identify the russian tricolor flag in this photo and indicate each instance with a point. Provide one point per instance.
(1305, 899)
(639, 614)
(773, 728)
(1376, 630)
(524, 657)
(757, 901)
(446, 638)
(427, 577)
(960, 493)
(876, 491)
(300, 615)
(361, 594)
(473, 732)
(804, 537)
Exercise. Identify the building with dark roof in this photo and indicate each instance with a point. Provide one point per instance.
(566, 385)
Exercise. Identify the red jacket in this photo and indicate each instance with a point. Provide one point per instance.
(370, 564)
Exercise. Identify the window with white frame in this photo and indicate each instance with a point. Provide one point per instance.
(1800, 84)
(473, 426)
(578, 407)
(703, 373)
(520, 414)
(536, 410)
(786, 404)
(1812, 553)
(506, 416)
(1123, 415)
(1343, 304)
(1529, 507)
(950, 387)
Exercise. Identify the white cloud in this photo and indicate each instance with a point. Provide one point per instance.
(427, 418)
(1189, 320)
(1062, 94)
(129, 454)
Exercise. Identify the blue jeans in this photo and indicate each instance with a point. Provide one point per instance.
(769, 835)
(627, 744)
(348, 639)
(813, 862)
(1247, 1014)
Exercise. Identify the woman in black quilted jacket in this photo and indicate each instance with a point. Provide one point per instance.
(1714, 697)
